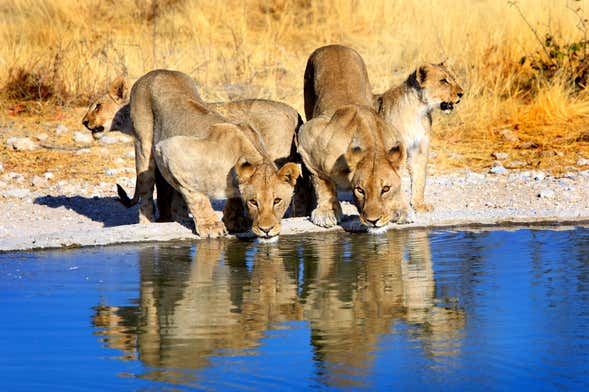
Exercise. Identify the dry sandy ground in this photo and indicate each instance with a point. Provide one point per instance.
(87, 214)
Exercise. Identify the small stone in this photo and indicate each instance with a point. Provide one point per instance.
(497, 168)
(582, 162)
(61, 129)
(22, 143)
(546, 193)
(110, 172)
(528, 145)
(539, 175)
(48, 175)
(500, 155)
(108, 140)
(83, 151)
(508, 135)
(517, 164)
(38, 181)
(42, 137)
(80, 137)
(20, 193)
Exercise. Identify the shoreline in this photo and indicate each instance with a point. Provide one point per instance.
(462, 199)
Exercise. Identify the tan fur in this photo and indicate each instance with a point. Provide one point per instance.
(196, 151)
(346, 145)
(408, 108)
(276, 122)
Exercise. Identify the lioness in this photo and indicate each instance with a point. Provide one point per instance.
(346, 145)
(277, 123)
(408, 108)
(197, 149)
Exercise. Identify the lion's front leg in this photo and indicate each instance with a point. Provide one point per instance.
(235, 217)
(417, 165)
(206, 222)
(328, 212)
(145, 166)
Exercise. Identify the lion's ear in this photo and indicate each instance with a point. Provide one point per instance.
(244, 170)
(199, 106)
(355, 152)
(396, 155)
(119, 88)
(289, 173)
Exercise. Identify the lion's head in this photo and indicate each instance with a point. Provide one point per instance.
(109, 112)
(376, 182)
(438, 86)
(266, 193)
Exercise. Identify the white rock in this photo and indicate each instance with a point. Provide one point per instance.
(83, 151)
(582, 162)
(38, 181)
(500, 155)
(497, 168)
(110, 172)
(22, 143)
(539, 175)
(61, 129)
(42, 137)
(508, 135)
(80, 137)
(48, 175)
(546, 193)
(20, 193)
(107, 140)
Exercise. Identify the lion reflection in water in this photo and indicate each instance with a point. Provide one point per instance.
(211, 303)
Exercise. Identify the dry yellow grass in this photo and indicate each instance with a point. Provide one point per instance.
(255, 48)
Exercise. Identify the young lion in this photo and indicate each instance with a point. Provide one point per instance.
(165, 105)
(346, 145)
(277, 123)
(408, 108)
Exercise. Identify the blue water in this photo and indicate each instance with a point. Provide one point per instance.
(411, 310)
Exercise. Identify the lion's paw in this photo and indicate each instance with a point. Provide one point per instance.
(324, 217)
(211, 229)
(422, 206)
(405, 216)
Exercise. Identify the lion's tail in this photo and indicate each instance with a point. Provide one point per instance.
(124, 199)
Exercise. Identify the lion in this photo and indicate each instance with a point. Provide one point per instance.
(202, 154)
(276, 121)
(408, 107)
(346, 145)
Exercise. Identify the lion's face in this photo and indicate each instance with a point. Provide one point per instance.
(267, 193)
(376, 184)
(102, 114)
(440, 88)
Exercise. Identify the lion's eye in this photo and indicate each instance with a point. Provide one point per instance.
(444, 81)
(359, 190)
(97, 106)
(386, 188)
(253, 202)
(278, 200)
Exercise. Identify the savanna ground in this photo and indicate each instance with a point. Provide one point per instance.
(523, 65)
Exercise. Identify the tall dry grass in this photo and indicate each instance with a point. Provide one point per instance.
(67, 51)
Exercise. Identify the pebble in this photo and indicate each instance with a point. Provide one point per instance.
(20, 193)
(546, 193)
(508, 135)
(48, 175)
(61, 129)
(108, 140)
(110, 172)
(497, 168)
(22, 143)
(38, 181)
(80, 137)
(42, 137)
(582, 162)
(500, 155)
(539, 175)
(83, 151)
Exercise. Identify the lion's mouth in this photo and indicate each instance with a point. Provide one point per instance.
(268, 239)
(447, 107)
(97, 132)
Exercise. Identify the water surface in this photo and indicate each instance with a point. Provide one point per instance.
(418, 310)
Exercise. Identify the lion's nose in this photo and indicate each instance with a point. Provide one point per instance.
(85, 122)
(460, 95)
(373, 222)
(266, 229)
